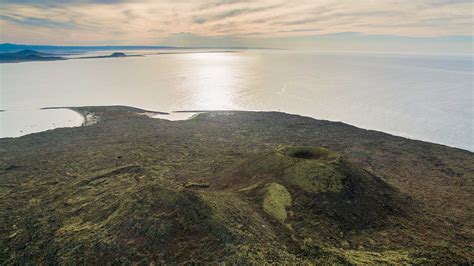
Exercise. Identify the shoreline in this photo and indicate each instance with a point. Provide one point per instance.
(18, 122)
(153, 114)
(87, 118)
(46, 59)
(234, 159)
(93, 117)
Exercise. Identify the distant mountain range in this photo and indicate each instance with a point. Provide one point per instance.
(14, 53)
(28, 55)
(8, 47)
(31, 55)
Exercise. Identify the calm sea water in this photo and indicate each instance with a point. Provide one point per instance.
(423, 97)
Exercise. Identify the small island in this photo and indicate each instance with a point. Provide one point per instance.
(113, 55)
(117, 54)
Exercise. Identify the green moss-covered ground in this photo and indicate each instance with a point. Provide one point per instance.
(276, 200)
(236, 187)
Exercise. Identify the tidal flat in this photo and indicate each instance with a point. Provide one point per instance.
(231, 186)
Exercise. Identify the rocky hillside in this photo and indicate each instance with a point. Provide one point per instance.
(240, 187)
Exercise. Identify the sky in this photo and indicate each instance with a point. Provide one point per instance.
(431, 26)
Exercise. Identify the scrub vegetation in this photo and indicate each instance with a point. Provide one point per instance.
(276, 200)
(237, 187)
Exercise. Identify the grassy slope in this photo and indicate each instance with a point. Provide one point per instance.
(136, 189)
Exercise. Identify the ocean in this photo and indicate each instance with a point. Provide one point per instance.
(424, 97)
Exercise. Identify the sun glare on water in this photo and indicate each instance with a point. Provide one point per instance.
(214, 83)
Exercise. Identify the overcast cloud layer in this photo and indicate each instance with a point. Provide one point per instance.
(270, 23)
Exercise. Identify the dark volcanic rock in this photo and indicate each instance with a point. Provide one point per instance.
(239, 187)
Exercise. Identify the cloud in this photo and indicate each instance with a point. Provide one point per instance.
(300, 30)
(234, 12)
(447, 2)
(59, 2)
(152, 21)
(219, 3)
(199, 20)
(38, 22)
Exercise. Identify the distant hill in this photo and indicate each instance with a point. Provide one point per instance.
(29, 52)
(9, 47)
(27, 55)
(118, 55)
(231, 187)
(31, 55)
(113, 55)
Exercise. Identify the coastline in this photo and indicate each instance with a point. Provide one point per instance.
(43, 59)
(18, 122)
(88, 118)
(224, 162)
(93, 114)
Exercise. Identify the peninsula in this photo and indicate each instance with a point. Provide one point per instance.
(230, 186)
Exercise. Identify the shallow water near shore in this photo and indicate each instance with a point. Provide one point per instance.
(423, 97)
(15, 123)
